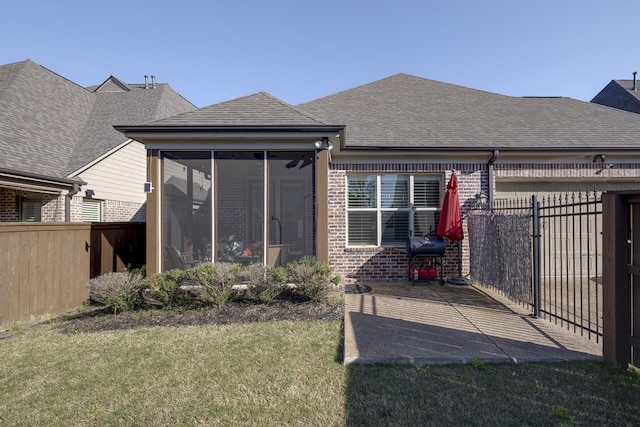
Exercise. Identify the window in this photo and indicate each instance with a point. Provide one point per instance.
(31, 209)
(385, 209)
(91, 210)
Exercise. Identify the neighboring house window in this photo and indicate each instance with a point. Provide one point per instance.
(385, 209)
(91, 210)
(31, 209)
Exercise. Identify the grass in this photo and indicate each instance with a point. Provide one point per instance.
(284, 373)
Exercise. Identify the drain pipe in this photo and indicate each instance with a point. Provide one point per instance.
(492, 179)
(67, 202)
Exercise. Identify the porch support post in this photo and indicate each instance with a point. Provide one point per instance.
(322, 200)
(153, 213)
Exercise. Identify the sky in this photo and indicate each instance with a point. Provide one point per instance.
(211, 51)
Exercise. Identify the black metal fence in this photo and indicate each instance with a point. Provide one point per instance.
(546, 254)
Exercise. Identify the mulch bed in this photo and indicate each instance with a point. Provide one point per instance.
(102, 319)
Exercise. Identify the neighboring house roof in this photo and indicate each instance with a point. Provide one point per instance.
(620, 94)
(52, 126)
(408, 112)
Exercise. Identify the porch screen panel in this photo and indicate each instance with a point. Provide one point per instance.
(239, 216)
(186, 208)
(292, 222)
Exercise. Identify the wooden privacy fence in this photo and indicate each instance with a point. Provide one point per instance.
(45, 267)
(117, 246)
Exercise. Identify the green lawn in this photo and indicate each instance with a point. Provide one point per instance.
(284, 373)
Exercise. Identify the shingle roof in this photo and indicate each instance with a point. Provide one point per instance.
(260, 109)
(404, 111)
(620, 94)
(52, 126)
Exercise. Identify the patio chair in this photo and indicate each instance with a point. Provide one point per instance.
(178, 259)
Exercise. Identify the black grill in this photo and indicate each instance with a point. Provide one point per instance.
(425, 247)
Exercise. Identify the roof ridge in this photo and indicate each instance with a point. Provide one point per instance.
(294, 108)
(114, 79)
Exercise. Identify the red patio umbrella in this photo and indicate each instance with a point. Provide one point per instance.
(450, 224)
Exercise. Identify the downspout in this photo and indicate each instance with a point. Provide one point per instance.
(67, 202)
(492, 179)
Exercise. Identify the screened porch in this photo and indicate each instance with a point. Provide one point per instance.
(237, 206)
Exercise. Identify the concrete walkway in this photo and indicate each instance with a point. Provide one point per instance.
(433, 324)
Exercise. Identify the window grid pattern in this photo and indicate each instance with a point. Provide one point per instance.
(385, 209)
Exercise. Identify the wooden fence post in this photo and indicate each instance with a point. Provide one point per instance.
(615, 280)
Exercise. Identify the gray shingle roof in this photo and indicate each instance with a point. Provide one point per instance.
(260, 109)
(620, 94)
(404, 111)
(52, 126)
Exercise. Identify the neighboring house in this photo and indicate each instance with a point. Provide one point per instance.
(61, 159)
(348, 177)
(620, 94)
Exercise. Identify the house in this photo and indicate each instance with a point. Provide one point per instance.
(621, 94)
(61, 159)
(348, 177)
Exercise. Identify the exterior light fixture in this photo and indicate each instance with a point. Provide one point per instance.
(89, 193)
(481, 200)
(323, 144)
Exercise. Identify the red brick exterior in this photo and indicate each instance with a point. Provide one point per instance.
(382, 263)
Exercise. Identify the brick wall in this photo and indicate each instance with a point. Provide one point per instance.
(10, 205)
(380, 263)
(118, 211)
(568, 170)
(53, 208)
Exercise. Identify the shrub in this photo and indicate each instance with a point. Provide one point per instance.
(164, 289)
(216, 281)
(264, 283)
(311, 278)
(120, 291)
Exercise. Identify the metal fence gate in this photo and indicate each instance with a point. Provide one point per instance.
(546, 254)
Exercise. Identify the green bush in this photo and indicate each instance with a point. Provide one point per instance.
(215, 280)
(120, 291)
(311, 278)
(264, 283)
(164, 290)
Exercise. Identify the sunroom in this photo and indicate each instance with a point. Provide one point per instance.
(251, 190)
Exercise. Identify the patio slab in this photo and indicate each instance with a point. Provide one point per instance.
(433, 324)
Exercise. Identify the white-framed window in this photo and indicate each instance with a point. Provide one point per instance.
(385, 209)
(91, 210)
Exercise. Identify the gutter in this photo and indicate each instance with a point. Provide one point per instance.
(17, 176)
(67, 202)
(466, 149)
(491, 174)
(226, 128)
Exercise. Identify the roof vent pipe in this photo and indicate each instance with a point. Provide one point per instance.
(146, 81)
(634, 81)
(153, 82)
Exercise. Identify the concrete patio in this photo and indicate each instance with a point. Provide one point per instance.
(433, 324)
